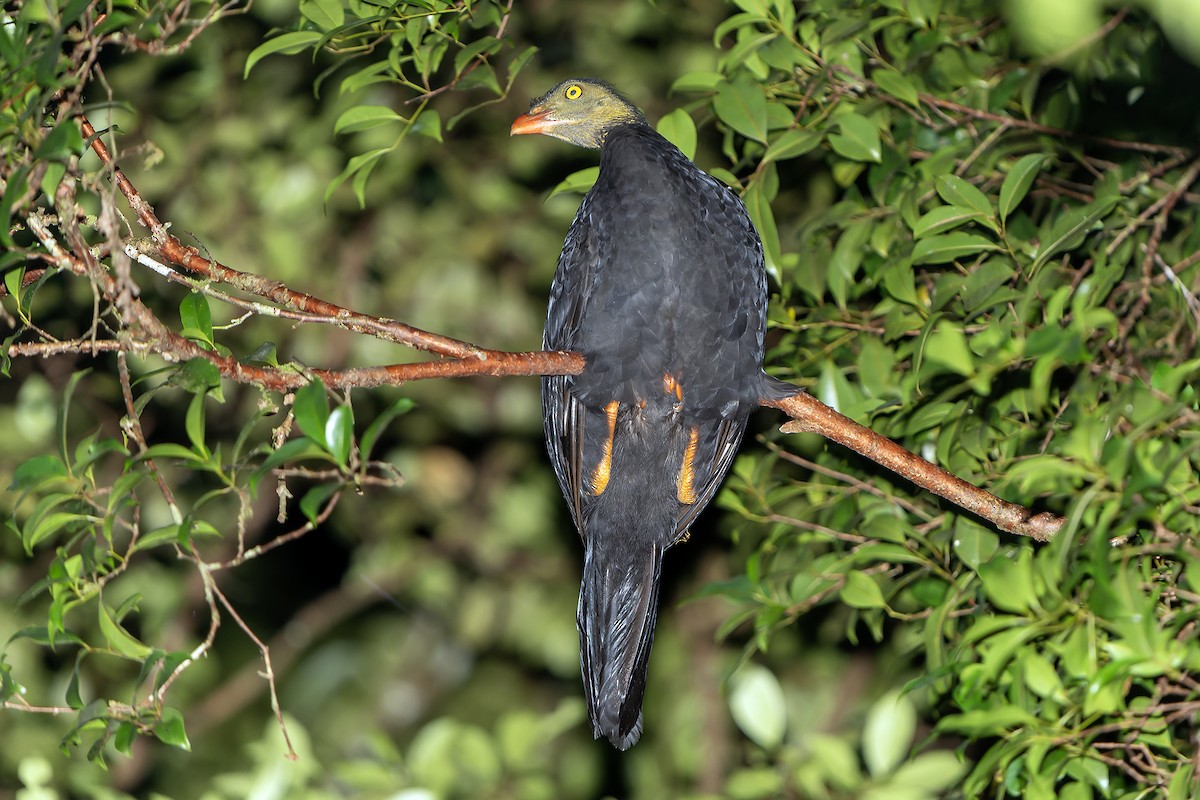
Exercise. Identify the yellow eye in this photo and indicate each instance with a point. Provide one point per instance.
(573, 91)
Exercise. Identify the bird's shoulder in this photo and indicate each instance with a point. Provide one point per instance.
(637, 157)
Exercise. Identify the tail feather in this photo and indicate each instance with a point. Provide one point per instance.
(618, 605)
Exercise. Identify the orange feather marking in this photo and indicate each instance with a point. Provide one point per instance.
(671, 386)
(603, 470)
(685, 484)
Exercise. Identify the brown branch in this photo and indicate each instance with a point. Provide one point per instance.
(189, 258)
(809, 415)
(467, 359)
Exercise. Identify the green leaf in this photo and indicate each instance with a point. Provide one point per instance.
(757, 705)
(194, 423)
(197, 375)
(358, 183)
(888, 733)
(360, 168)
(17, 184)
(123, 738)
(64, 413)
(12, 282)
(34, 472)
(364, 118)
(483, 76)
(196, 316)
(170, 730)
(1182, 785)
(697, 82)
(429, 123)
(169, 663)
(986, 721)
(118, 638)
(47, 526)
(62, 142)
(846, 259)
(834, 390)
(1009, 582)
(190, 528)
(287, 44)
(153, 538)
(958, 192)
(1041, 677)
(897, 85)
(931, 773)
(517, 64)
(55, 170)
(325, 14)
(1071, 229)
(861, 591)
(791, 143)
(580, 181)
(366, 444)
(1018, 181)
(741, 105)
(485, 45)
(72, 695)
(293, 449)
(942, 219)
(115, 21)
(858, 140)
(169, 450)
(759, 208)
(973, 543)
(311, 409)
(339, 433)
(948, 347)
(41, 634)
(266, 353)
(899, 281)
(314, 499)
(950, 247)
(678, 129)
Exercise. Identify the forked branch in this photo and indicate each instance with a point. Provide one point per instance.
(459, 358)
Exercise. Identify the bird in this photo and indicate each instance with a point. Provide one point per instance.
(661, 287)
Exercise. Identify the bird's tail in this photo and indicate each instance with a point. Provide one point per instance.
(618, 604)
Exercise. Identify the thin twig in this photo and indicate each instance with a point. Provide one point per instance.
(268, 672)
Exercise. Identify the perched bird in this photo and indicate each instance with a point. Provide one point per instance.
(661, 287)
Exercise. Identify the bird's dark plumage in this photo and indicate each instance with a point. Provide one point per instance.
(661, 287)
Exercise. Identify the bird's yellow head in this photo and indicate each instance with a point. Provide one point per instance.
(581, 111)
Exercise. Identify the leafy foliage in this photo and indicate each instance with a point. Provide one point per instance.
(422, 47)
(988, 256)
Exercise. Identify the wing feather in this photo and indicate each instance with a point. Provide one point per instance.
(564, 415)
(714, 456)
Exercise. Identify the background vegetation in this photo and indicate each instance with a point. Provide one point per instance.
(981, 228)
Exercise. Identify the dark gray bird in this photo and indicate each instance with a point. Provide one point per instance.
(661, 287)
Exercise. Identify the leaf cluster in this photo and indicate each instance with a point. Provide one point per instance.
(987, 256)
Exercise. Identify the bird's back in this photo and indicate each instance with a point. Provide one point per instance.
(674, 281)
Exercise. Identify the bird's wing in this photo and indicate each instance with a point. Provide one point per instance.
(716, 446)
(566, 420)
(561, 412)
